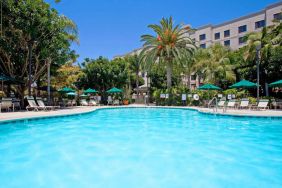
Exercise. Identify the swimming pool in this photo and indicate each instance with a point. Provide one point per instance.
(142, 147)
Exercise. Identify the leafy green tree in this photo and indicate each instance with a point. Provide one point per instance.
(167, 46)
(32, 27)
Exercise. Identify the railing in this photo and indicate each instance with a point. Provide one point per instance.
(210, 104)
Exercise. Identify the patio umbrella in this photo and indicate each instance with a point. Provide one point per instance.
(89, 90)
(83, 95)
(114, 90)
(209, 87)
(71, 94)
(276, 84)
(66, 90)
(244, 84)
(5, 78)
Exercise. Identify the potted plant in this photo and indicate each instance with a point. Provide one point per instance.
(125, 101)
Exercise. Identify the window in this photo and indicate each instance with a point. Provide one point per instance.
(226, 33)
(202, 37)
(242, 40)
(277, 16)
(193, 77)
(216, 36)
(259, 24)
(242, 28)
(202, 45)
(227, 43)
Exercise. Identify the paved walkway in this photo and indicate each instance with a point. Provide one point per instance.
(5, 116)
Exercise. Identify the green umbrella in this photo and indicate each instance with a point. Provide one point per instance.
(245, 84)
(71, 94)
(209, 87)
(89, 90)
(114, 90)
(276, 84)
(5, 78)
(83, 95)
(66, 90)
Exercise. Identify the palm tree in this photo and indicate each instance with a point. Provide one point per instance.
(135, 66)
(188, 64)
(167, 46)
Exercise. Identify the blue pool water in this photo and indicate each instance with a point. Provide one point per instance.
(142, 148)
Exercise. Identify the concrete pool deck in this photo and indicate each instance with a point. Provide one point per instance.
(8, 116)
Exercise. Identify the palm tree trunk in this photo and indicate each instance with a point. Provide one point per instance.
(189, 81)
(169, 74)
(137, 82)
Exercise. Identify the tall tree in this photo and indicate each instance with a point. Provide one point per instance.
(167, 45)
(32, 29)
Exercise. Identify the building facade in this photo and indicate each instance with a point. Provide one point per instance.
(231, 33)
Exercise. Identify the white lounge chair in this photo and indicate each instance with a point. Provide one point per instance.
(221, 104)
(110, 100)
(7, 104)
(116, 102)
(32, 105)
(92, 102)
(71, 103)
(231, 104)
(42, 105)
(244, 103)
(83, 102)
(262, 105)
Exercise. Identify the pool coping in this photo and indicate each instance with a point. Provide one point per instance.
(118, 107)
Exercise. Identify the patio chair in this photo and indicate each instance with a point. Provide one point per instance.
(42, 105)
(262, 105)
(110, 100)
(116, 102)
(92, 102)
(71, 103)
(7, 104)
(231, 104)
(221, 104)
(244, 104)
(83, 102)
(32, 105)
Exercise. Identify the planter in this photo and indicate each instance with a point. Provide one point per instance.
(125, 102)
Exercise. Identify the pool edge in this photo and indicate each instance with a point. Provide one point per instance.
(116, 107)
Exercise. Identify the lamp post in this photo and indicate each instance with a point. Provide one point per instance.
(258, 47)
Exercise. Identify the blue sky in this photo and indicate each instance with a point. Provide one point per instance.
(113, 27)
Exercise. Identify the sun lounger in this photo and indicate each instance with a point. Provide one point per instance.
(42, 105)
(32, 105)
(92, 102)
(262, 105)
(231, 104)
(244, 103)
(116, 102)
(83, 102)
(221, 104)
(6, 104)
(110, 100)
(71, 103)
